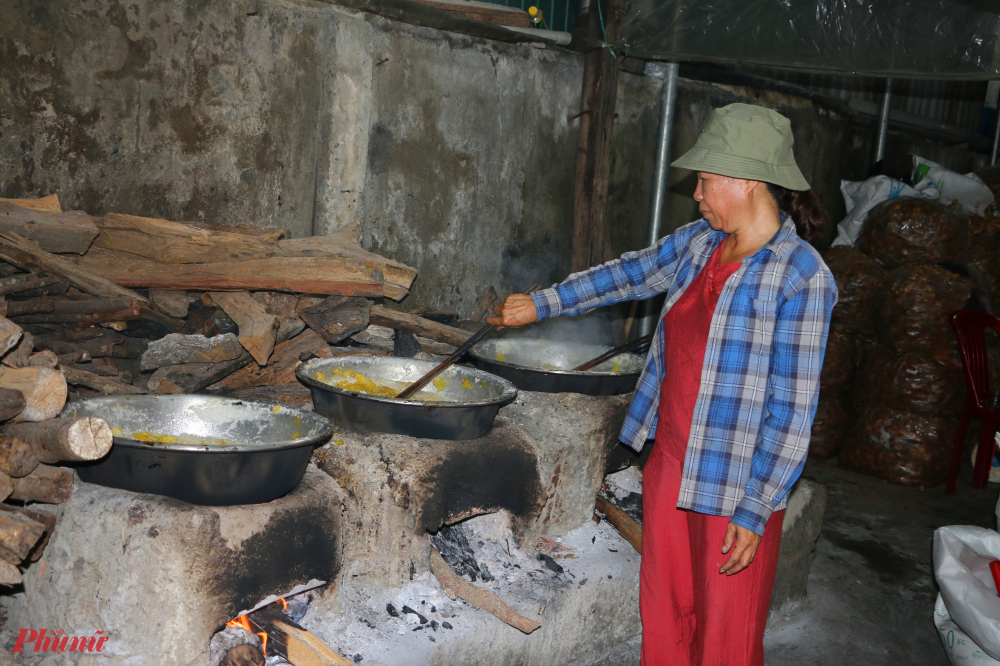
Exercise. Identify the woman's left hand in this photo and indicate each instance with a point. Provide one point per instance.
(743, 544)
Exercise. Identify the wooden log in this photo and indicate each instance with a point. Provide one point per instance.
(306, 649)
(18, 356)
(477, 596)
(48, 520)
(49, 204)
(289, 327)
(10, 335)
(482, 11)
(11, 403)
(192, 377)
(6, 486)
(102, 347)
(44, 391)
(243, 655)
(48, 359)
(30, 306)
(80, 309)
(177, 348)
(344, 243)
(17, 458)
(178, 242)
(18, 532)
(337, 317)
(258, 329)
(65, 439)
(630, 530)
(418, 325)
(173, 303)
(54, 232)
(482, 305)
(101, 384)
(320, 275)
(26, 282)
(51, 485)
(278, 303)
(281, 368)
(28, 255)
(96, 369)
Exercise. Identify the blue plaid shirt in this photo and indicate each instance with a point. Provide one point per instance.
(760, 380)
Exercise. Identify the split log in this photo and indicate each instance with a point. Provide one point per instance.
(66, 439)
(289, 327)
(17, 458)
(44, 391)
(344, 243)
(48, 359)
(307, 275)
(192, 377)
(18, 356)
(26, 282)
(176, 348)
(28, 255)
(306, 649)
(258, 329)
(95, 369)
(173, 303)
(418, 325)
(338, 317)
(6, 486)
(11, 403)
(477, 596)
(278, 303)
(98, 347)
(630, 530)
(49, 204)
(178, 242)
(384, 339)
(281, 368)
(48, 520)
(10, 574)
(265, 233)
(10, 334)
(18, 532)
(51, 485)
(54, 232)
(243, 655)
(482, 306)
(101, 384)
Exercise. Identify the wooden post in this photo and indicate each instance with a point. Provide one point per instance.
(591, 236)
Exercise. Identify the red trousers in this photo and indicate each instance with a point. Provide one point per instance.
(691, 614)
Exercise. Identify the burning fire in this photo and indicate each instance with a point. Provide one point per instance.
(244, 623)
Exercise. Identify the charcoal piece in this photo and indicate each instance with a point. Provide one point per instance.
(452, 541)
(358, 658)
(223, 324)
(833, 419)
(434, 625)
(983, 261)
(446, 625)
(923, 383)
(419, 627)
(914, 305)
(838, 363)
(901, 447)
(858, 277)
(391, 610)
(908, 231)
(550, 562)
(407, 609)
(404, 344)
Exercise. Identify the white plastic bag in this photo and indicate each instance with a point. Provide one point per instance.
(959, 648)
(861, 197)
(968, 193)
(968, 605)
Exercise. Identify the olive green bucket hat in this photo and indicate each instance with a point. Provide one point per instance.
(744, 141)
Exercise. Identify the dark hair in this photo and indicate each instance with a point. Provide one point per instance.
(805, 209)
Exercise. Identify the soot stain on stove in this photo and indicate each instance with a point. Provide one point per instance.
(483, 478)
(294, 547)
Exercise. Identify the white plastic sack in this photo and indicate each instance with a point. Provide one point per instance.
(969, 599)
(968, 193)
(959, 648)
(861, 197)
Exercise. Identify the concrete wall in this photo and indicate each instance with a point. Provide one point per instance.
(456, 154)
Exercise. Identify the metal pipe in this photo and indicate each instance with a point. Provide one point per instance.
(883, 122)
(996, 136)
(648, 321)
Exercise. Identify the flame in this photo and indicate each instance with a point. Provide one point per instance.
(284, 604)
(263, 637)
(241, 621)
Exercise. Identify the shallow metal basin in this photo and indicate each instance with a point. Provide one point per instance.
(465, 409)
(212, 451)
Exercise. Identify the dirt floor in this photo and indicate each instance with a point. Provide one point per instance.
(871, 588)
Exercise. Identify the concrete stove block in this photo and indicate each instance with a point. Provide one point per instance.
(799, 532)
(161, 576)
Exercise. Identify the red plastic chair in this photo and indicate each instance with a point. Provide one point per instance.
(970, 327)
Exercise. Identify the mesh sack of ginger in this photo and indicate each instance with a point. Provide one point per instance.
(907, 231)
(858, 277)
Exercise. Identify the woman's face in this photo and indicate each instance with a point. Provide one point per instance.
(723, 201)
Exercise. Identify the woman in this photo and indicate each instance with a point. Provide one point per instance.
(729, 387)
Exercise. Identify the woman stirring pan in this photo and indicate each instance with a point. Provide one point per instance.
(729, 387)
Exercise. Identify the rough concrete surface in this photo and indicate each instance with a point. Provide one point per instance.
(799, 532)
(161, 576)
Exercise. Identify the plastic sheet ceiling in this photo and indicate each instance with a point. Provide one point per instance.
(938, 39)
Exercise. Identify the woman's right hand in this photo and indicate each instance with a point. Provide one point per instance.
(516, 310)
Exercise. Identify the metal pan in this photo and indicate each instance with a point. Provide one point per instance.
(523, 360)
(469, 399)
(212, 451)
